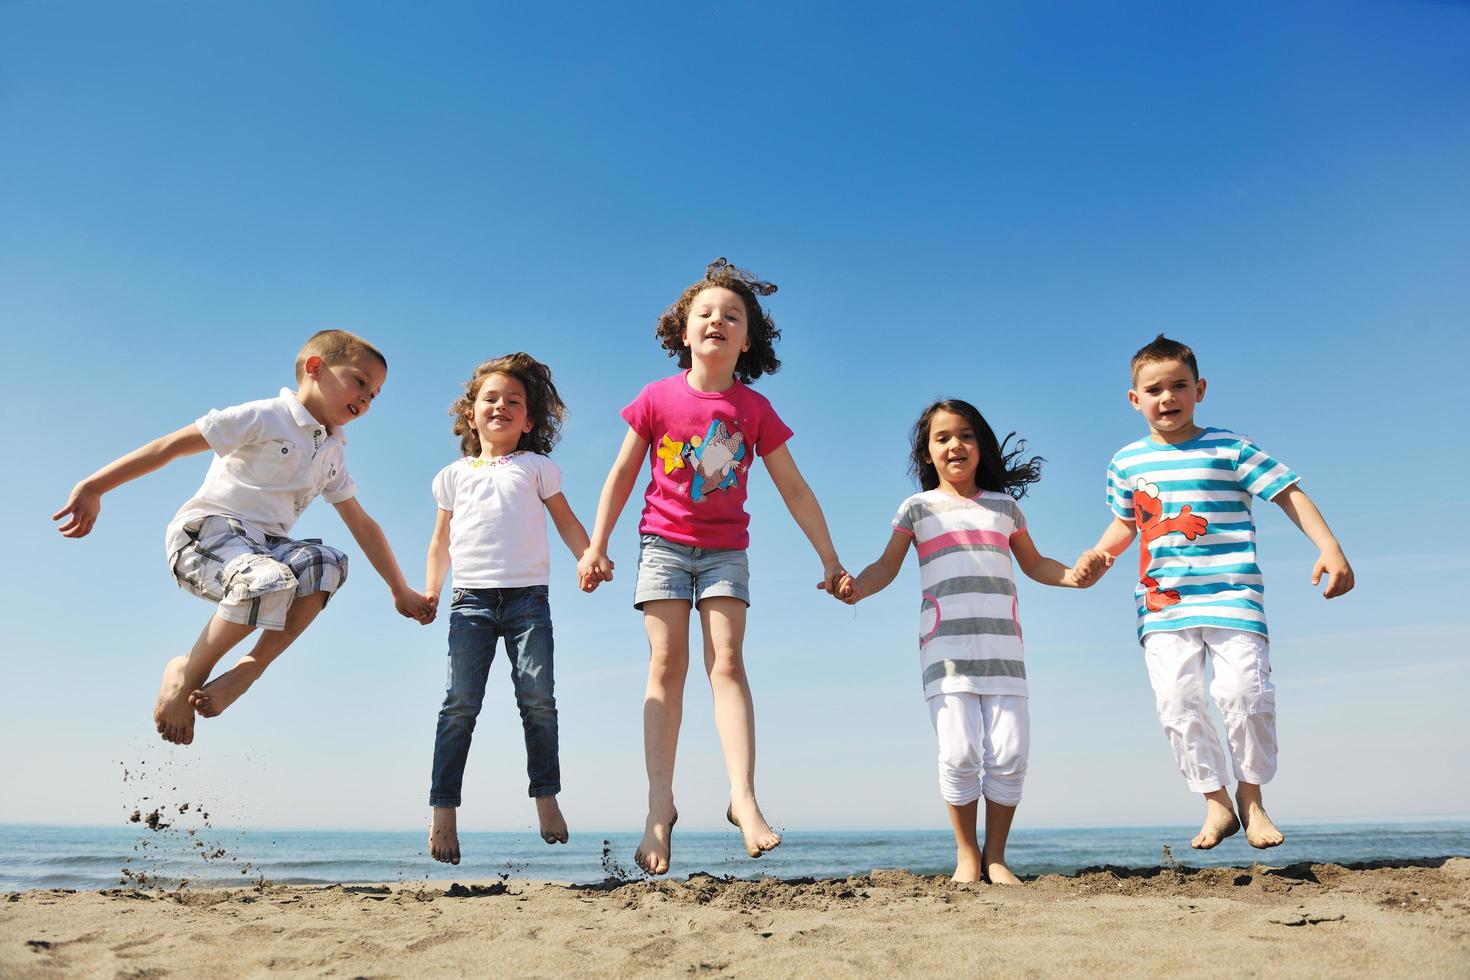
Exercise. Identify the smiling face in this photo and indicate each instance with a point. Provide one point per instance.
(336, 394)
(501, 414)
(1166, 392)
(954, 449)
(717, 329)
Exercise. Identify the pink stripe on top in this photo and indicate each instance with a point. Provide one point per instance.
(954, 538)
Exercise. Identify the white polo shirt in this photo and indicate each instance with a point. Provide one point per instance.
(271, 460)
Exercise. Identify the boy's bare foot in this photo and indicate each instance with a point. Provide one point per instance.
(444, 835)
(758, 835)
(213, 698)
(1259, 830)
(653, 851)
(997, 873)
(172, 714)
(553, 824)
(1220, 823)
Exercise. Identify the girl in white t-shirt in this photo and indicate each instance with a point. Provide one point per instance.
(491, 530)
(966, 527)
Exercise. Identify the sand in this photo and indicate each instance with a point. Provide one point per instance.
(1404, 918)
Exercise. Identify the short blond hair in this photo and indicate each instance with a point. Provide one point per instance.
(334, 347)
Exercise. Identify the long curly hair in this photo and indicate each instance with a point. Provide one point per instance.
(1000, 469)
(761, 358)
(543, 404)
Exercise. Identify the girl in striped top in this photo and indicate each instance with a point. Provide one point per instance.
(966, 526)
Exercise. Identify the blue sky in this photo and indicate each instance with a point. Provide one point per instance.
(996, 203)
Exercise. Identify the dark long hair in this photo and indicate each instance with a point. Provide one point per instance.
(1000, 468)
(761, 329)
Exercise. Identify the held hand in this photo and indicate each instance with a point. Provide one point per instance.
(845, 589)
(415, 606)
(834, 576)
(593, 568)
(433, 598)
(1334, 565)
(1089, 567)
(82, 507)
(589, 581)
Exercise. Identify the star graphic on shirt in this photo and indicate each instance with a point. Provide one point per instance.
(672, 453)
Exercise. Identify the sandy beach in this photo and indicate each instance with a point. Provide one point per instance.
(1403, 918)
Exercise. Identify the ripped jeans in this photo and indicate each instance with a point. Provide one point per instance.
(253, 576)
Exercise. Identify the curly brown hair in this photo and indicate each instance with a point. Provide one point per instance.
(761, 357)
(543, 404)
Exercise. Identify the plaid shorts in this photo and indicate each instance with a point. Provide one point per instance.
(254, 576)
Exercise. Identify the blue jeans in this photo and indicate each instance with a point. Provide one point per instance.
(477, 618)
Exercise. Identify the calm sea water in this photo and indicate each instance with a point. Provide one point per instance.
(103, 857)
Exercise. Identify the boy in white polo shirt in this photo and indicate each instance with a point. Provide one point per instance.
(229, 544)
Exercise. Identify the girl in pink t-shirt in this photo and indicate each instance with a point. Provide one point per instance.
(701, 432)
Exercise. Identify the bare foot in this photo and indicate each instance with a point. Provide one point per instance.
(997, 873)
(1220, 823)
(553, 824)
(213, 698)
(1259, 830)
(172, 714)
(653, 851)
(966, 865)
(758, 835)
(444, 835)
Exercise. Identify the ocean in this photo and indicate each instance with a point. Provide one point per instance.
(187, 849)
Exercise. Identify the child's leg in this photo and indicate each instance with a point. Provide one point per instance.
(473, 630)
(213, 698)
(281, 586)
(1006, 722)
(968, 858)
(527, 625)
(1243, 691)
(173, 714)
(722, 619)
(667, 624)
(1176, 669)
(956, 718)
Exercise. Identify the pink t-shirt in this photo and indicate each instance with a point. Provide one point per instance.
(701, 445)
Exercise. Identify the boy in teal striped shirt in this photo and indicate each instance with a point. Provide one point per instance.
(1187, 492)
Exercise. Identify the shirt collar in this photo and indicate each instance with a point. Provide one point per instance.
(303, 418)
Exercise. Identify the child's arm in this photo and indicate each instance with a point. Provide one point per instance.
(1049, 571)
(594, 565)
(573, 534)
(370, 538)
(808, 513)
(877, 576)
(1116, 538)
(1330, 559)
(85, 502)
(436, 566)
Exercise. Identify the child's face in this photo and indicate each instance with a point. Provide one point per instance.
(954, 449)
(501, 413)
(716, 331)
(1166, 392)
(336, 394)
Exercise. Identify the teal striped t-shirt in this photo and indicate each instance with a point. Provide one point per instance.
(1191, 503)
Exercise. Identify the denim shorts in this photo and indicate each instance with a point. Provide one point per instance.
(670, 570)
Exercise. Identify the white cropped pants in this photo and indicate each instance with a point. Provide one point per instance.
(1241, 689)
(984, 743)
